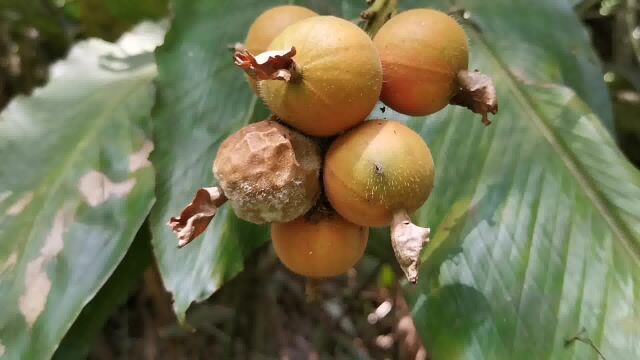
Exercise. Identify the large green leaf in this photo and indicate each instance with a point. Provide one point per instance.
(202, 98)
(75, 186)
(536, 218)
(78, 341)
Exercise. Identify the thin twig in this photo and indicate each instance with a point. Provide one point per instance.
(378, 12)
(580, 336)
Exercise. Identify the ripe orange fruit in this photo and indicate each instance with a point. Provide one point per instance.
(339, 76)
(421, 51)
(269, 25)
(376, 170)
(319, 247)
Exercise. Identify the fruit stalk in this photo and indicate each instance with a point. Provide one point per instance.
(195, 218)
(408, 240)
(378, 12)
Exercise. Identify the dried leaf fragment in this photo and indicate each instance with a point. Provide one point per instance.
(477, 93)
(408, 240)
(195, 218)
(269, 65)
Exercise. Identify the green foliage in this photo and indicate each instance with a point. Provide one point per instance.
(80, 337)
(76, 187)
(202, 99)
(535, 219)
(536, 232)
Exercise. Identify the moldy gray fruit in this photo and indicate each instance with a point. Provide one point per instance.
(269, 172)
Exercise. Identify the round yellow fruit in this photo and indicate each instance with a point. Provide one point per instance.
(376, 169)
(269, 25)
(340, 76)
(319, 247)
(421, 50)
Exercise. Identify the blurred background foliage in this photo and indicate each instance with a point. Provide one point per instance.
(35, 33)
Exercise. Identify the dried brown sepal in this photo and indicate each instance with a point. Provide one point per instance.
(477, 93)
(269, 65)
(378, 12)
(195, 218)
(408, 240)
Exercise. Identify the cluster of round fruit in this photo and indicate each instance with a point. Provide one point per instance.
(317, 171)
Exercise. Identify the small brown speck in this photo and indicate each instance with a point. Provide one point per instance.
(378, 168)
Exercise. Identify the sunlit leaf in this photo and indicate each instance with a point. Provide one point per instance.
(536, 218)
(75, 186)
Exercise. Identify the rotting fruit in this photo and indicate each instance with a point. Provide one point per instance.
(422, 51)
(321, 75)
(319, 245)
(377, 174)
(269, 172)
(270, 24)
(376, 169)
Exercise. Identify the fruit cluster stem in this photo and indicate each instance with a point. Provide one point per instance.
(408, 240)
(378, 12)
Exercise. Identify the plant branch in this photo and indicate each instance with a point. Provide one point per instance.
(378, 12)
(580, 336)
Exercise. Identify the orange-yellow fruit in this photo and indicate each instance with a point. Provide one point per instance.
(270, 24)
(421, 51)
(269, 172)
(322, 247)
(341, 76)
(376, 169)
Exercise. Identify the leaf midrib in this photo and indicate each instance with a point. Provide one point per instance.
(619, 229)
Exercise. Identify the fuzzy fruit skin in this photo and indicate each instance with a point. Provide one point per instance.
(319, 248)
(269, 25)
(341, 76)
(269, 172)
(421, 51)
(376, 169)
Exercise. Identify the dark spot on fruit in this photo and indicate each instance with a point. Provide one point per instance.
(377, 167)
(383, 109)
